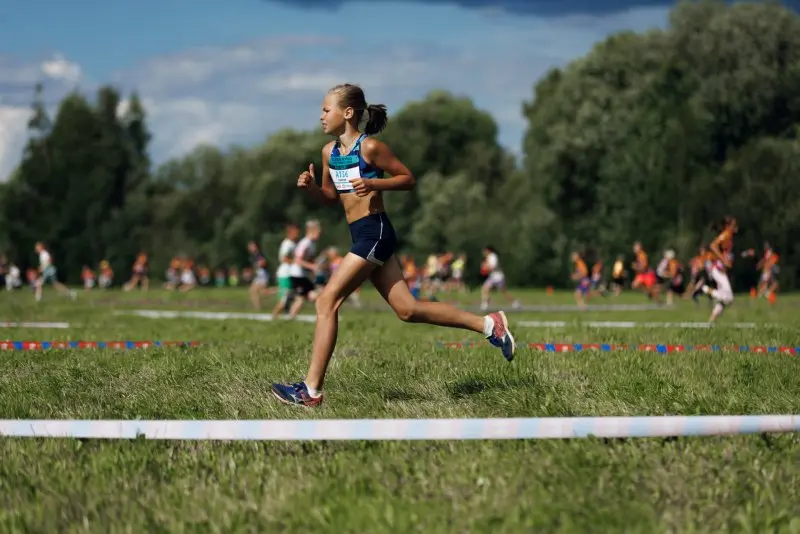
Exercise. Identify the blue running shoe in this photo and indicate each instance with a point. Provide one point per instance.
(501, 336)
(295, 394)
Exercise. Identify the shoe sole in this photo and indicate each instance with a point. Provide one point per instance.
(511, 337)
(284, 401)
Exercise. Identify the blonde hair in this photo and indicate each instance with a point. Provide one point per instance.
(352, 96)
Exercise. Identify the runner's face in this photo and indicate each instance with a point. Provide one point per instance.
(333, 117)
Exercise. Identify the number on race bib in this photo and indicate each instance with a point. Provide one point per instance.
(341, 178)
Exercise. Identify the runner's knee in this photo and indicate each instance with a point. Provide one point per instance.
(325, 304)
(328, 303)
(408, 311)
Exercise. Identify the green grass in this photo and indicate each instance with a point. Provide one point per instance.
(384, 368)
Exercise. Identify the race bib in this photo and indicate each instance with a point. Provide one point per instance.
(344, 169)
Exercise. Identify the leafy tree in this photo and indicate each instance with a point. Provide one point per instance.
(642, 138)
(651, 136)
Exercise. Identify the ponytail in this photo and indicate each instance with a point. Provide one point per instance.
(373, 117)
(377, 117)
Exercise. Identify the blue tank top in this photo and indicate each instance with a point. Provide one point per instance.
(345, 168)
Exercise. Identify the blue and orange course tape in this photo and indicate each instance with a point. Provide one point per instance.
(662, 348)
(46, 345)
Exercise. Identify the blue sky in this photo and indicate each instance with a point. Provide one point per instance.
(223, 72)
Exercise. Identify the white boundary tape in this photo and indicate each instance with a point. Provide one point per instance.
(33, 325)
(629, 324)
(576, 308)
(406, 429)
(222, 316)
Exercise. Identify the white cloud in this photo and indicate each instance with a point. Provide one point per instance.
(240, 94)
(300, 82)
(59, 68)
(182, 124)
(123, 107)
(17, 81)
(13, 123)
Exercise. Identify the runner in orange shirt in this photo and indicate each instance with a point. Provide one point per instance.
(718, 266)
(581, 276)
(645, 276)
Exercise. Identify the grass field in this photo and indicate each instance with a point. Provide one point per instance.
(383, 368)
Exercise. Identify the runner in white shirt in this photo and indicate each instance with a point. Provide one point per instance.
(303, 269)
(188, 278)
(284, 272)
(13, 278)
(496, 280)
(47, 274)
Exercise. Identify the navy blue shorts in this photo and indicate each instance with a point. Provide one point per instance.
(583, 285)
(373, 238)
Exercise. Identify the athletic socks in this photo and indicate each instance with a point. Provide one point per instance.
(488, 326)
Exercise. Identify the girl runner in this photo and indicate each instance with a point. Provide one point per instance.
(722, 253)
(260, 283)
(768, 264)
(89, 279)
(598, 286)
(304, 269)
(352, 172)
(645, 276)
(581, 278)
(618, 275)
(698, 274)
(459, 264)
(495, 281)
(669, 274)
(47, 274)
(139, 277)
(284, 272)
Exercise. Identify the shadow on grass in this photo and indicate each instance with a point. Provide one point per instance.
(472, 386)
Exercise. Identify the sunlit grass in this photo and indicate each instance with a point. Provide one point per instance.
(384, 368)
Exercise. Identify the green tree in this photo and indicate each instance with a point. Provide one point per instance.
(72, 187)
(642, 138)
(651, 136)
(443, 135)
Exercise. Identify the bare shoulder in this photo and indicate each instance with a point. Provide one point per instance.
(370, 144)
(327, 149)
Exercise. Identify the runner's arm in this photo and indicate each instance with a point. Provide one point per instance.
(378, 154)
(325, 193)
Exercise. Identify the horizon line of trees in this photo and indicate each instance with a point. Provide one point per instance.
(651, 136)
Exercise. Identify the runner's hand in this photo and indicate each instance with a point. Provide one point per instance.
(306, 178)
(361, 187)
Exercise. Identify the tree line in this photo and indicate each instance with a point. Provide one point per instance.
(651, 136)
